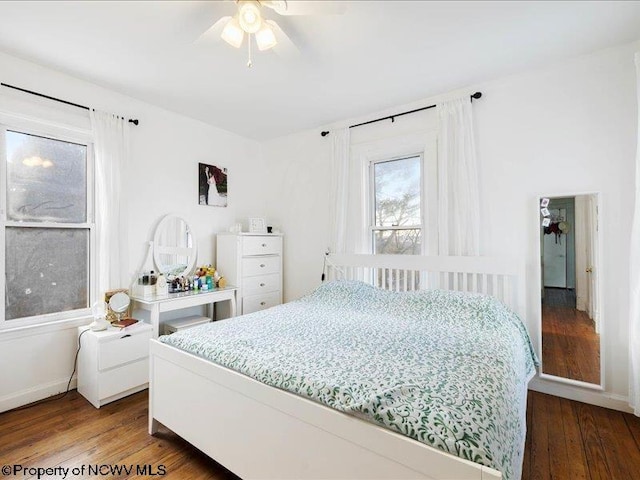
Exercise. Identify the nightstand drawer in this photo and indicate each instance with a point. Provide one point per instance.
(122, 348)
(123, 378)
(255, 303)
(261, 284)
(252, 266)
(261, 245)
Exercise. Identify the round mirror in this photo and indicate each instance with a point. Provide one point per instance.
(174, 246)
(119, 303)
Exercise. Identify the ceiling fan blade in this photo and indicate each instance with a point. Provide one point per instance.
(213, 32)
(305, 7)
(285, 46)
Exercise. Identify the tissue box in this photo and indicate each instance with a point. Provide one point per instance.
(144, 291)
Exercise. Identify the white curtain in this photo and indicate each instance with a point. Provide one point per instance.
(634, 267)
(458, 192)
(340, 190)
(111, 148)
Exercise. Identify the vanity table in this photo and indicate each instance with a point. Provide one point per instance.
(175, 251)
(177, 301)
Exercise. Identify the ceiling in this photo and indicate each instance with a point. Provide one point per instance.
(376, 55)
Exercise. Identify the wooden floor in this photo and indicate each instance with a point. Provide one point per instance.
(71, 433)
(571, 440)
(570, 344)
(565, 440)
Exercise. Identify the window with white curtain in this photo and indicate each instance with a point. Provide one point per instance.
(47, 225)
(396, 206)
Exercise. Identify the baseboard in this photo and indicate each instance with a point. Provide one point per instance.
(593, 397)
(39, 392)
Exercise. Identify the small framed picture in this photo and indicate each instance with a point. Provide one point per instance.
(544, 203)
(257, 225)
(545, 212)
(546, 222)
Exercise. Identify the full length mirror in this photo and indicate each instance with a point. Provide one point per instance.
(174, 246)
(571, 323)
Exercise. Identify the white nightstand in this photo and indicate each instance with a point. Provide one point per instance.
(113, 363)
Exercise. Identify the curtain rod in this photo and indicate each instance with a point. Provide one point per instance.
(131, 120)
(393, 117)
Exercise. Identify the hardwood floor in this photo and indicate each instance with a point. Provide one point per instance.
(565, 440)
(573, 440)
(570, 345)
(70, 432)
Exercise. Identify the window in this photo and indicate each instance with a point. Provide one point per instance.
(396, 206)
(47, 227)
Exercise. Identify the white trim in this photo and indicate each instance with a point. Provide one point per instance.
(46, 128)
(33, 394)
(580, 394)
(42, 328)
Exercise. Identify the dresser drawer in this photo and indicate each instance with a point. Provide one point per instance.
(121, 379)
(252, 266)
(261, 284)
(254, 303)
(119, 349)
(261, 246)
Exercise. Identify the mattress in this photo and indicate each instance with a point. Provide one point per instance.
(448, 369)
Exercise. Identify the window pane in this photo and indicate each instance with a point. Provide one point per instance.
(46, 271)
(397, 193)
(398, 242)
(46, 179)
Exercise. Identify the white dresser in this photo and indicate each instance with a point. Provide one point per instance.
(253, 263)
(113, 363)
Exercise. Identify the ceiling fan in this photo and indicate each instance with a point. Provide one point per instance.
(250, 20)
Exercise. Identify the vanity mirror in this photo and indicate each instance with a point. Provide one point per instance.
(174, 246)
(571, 326)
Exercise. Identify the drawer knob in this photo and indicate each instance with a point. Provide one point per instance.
(264, 244)
(262, 265)
(262, 284)
(263, 303)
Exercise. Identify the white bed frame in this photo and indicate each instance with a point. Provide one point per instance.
(258, 431)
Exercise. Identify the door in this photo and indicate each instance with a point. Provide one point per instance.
(555, 256)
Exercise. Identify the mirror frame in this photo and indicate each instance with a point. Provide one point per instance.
(156, 253)
(599, 283)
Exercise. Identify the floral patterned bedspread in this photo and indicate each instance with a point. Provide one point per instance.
(449, 369)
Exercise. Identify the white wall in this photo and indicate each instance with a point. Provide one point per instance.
(566, 129)
(165, 151)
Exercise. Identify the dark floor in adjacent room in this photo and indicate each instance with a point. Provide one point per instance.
(565, 440)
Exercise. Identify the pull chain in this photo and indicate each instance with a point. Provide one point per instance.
(249, 62)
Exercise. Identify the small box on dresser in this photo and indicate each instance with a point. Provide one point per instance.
(253, 263)
(113, 363)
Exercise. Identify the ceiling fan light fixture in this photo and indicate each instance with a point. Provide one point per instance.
(249, 16)
(265, 38)
(232, 33)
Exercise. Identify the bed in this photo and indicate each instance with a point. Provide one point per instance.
(433, 387)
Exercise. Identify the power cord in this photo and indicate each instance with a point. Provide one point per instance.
(58, 396)
(324, 265)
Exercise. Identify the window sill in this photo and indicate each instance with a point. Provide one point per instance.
(11, 333)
